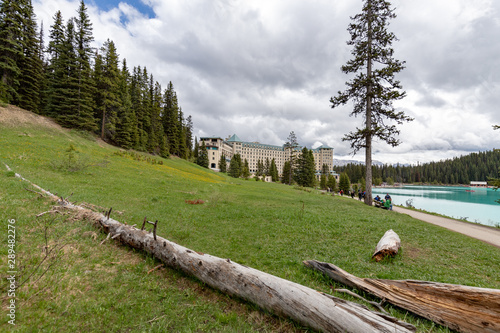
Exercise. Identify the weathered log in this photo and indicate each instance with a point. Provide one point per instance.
(282, 297)
(388, 246)
(462, 308)
(285, 298)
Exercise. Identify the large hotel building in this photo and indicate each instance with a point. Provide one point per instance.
(254, 151)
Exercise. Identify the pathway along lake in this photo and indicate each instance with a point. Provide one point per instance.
(469, 203)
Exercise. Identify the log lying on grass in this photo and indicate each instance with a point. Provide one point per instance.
(388, 246)
(462, 308)
(282, 297)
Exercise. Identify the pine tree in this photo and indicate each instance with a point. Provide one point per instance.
(273, 171)
(291, 146)
(287, 173)
(235, 166)
(196, 147)
(222, 163)
(344, 183)
(181, 136)
(331, 183)
(65, 85)
(202, 159)
(171, 118)
(304, 173)
(245, 171)
(125, 127)
(189, 137)
(374, 87)
(136, 97)
(107, 97)
(11, 49)
(53, 73)
(31, 76)
(324, 176)
(83, 39)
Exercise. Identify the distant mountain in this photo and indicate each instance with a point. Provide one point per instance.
(337, 162)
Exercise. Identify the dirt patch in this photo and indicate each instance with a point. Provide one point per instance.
(12, 116)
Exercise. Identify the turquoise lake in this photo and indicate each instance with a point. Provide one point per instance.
(473, 204)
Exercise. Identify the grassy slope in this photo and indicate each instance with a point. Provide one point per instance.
(270, 227)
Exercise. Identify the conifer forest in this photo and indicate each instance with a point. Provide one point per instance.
(66, 78)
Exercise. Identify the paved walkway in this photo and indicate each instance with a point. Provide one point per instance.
(487, 234)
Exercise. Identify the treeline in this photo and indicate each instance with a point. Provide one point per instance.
(86, 88)
(481, 166)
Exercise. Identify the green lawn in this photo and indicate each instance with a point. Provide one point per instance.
(270, 227)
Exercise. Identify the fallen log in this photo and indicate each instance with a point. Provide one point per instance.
(285, 298)
(388, 246)
(282, 297)
(461, 308)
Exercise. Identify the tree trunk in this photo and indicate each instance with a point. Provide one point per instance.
(388, 245)
(368, 128)
(461, 308)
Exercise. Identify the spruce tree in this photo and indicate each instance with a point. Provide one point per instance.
(222, 163)
(171, 118)
(65, 85)
(53, 74)
(324, 176)
(31, 76)
(245, 170)
(125, 126)
(373, 88)
(331, 183)
(202, 159)
(109, 89)
(11, 49)
(344, 183)
(287, 173)
(235, 166)
(273, 171)
(304, 173)
(83, 39)
(189, 137)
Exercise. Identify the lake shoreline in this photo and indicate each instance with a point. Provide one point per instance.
(476, 205)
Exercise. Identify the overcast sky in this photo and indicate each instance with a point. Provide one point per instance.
(263, 68)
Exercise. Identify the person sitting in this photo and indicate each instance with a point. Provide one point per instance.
(388, 204)
(377, 198)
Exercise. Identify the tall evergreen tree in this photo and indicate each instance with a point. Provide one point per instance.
(374, 88)
(171, 118)
(222, 163)
(189, 137)
(125, 126)
(331, 183)
(304, 173)
(84, 107)
(202, 159)
(287, 173)
(31, 76)
(235, 166)
(344, 183)
(324, 176)
(65, 86)
(53, 73)
(245, 170)
(107, 80)
(181, 136)
(273, 171)
(11, 49)
(291, 146)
